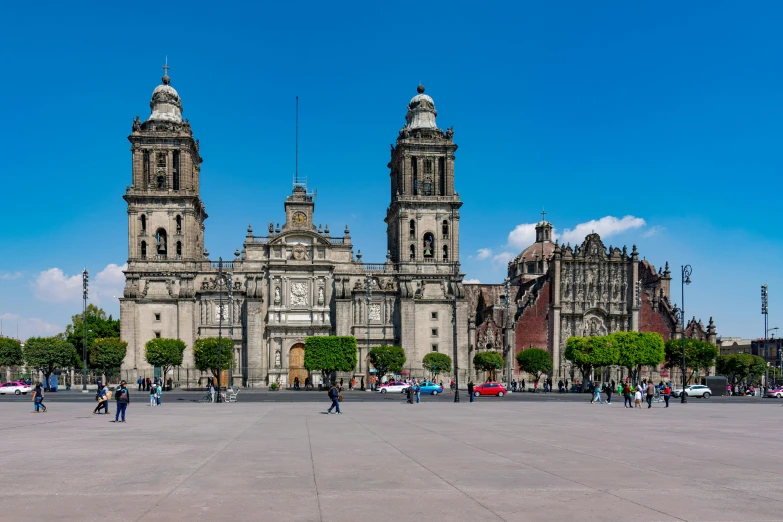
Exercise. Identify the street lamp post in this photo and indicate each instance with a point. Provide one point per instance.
(85, 285)
(220, 326)
(229, 292)
(764, 312)
(368, 301)
(686, 280)
(454, 332)
(506, 300)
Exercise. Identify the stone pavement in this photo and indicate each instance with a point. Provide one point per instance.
(491, 460)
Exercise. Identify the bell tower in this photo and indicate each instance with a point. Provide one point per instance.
(423, 217)
(165, 212)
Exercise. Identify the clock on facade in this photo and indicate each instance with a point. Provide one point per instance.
(300, 218)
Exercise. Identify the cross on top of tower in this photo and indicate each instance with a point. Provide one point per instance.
(543, 215)
(166, 68)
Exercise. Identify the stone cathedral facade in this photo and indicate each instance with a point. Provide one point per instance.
(297, 279)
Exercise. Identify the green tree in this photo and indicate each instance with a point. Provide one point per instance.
(211, 355)
(329, 354)
(47, 354)
(99, 325)
(637, 349)
(488, 361)
(436, 363)
(535, 361)
(106, 354)
(580, 352)
(165, 353)
(11, 352)
(740, 367)
(699, 356)
(386, 359)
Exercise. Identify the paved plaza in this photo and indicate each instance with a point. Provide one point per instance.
(491, 460)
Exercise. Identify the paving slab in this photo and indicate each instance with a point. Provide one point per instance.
(490, 460)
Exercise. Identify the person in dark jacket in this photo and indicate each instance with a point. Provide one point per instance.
(470, 391)
(123, 399)
(334, 394)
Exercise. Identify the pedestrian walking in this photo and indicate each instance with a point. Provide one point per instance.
(123, 399)
(153, 389)
(667, 392)
(513, 385)
(159, 392)
(38, 394)
(597, 392)
(522, 384)
(334, 395)
(409, 394)
(637, 399)
(139, 381)
(147, 384)
(362, 383)
(211, 393)
(609, 390)
(650, 394)
(451, 385)
(470, 390)
(566, 385)
(627, 396)
(100, 396)
(417, 389)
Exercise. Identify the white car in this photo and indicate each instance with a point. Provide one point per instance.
(17, 388)
(695, 390)
(395, 387)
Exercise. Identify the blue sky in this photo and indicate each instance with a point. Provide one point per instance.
(666, 114)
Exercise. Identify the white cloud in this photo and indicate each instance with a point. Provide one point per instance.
(7, 276)
(484, 253)
(54, 286)
(653, 231)
(522, 236)
(605, 227)
(28, 326)
(502, 259)
(471, 281)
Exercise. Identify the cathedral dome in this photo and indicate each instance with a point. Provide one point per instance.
(166, 104)
(421, 111)
(534, 251)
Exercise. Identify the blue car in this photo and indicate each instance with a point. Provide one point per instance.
(430, 387)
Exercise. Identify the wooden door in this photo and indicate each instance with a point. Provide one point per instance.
(296, 365)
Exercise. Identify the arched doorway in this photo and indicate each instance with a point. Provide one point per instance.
(296, 365)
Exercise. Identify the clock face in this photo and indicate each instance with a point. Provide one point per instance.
(300, 218)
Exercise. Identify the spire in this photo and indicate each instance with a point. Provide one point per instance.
(166, 80)
(421, 111)
(166, 104)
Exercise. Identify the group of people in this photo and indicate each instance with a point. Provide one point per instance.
(122, 398)
(741, 389)
(644, 390)
(147, 384)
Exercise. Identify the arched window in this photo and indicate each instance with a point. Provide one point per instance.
(415, 173)
(428, 245)
(179, 249)
(144, 250)
(143, 223)
(161, 183)
(445, 252)
(178, 219)
(413, 252)
(161, 243)
(445, 229)
(413, 228)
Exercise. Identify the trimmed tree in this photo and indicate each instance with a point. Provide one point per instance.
(699, 355)
(165, 353)
(740, 367)
(47, 354)
(488, 361)
(106, 354)
(211, 356)
(10, 352)
(579, 352)
(535, 361)
(436, 363)
(329, 354)
(385, 359)
(637, 349)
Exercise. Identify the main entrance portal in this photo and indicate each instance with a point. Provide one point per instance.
(296, 365)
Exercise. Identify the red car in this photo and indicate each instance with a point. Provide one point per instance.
(489, 388)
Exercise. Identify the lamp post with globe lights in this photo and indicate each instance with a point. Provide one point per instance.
(686, 280)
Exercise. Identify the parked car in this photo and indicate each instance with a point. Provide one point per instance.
(776, 392)
(695, 390)
(16, 387)
(489, 388)
(430, 387)
(393, 387)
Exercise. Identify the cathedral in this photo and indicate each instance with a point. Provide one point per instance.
(295, 280)
(300, 279)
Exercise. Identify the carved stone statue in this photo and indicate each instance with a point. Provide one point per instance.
(277, 295)
(136, 124)
(278, 362)
(320, 296)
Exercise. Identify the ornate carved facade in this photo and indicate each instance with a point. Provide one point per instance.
(298, 279)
